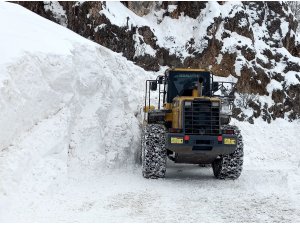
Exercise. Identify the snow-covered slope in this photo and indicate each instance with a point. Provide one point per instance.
(64, 100)
(70, 108)
(255, 42)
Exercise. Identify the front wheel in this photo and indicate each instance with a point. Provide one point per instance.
(230, 166)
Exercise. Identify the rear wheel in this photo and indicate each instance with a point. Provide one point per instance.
(230, 166)
(154, 153)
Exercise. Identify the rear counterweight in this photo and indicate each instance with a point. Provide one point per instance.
(201, 146)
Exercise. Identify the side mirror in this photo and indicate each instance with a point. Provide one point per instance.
(215, 86)
(153, 85)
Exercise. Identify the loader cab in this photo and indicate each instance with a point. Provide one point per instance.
(181, 82)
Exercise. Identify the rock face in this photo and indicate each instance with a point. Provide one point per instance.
(254, 42)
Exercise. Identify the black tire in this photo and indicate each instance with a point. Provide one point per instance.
(154, 153)
(230, 166)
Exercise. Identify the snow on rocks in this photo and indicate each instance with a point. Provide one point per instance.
(246, 40)
(142, 49)
(58, 12)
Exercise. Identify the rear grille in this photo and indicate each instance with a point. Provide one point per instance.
(201, 118)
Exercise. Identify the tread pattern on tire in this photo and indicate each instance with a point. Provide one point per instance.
(154, 153)
(230, 166)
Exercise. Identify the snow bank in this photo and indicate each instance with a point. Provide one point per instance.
(66, 102)
(272, 145)
(29, 34)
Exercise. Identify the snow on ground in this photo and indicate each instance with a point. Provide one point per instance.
(267, 191)
(69, 121)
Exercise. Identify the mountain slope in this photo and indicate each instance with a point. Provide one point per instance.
(253, 41)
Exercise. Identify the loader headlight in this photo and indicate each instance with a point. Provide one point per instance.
(188, 104)
(215, 104)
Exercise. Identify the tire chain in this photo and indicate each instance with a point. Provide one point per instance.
(154, 154)
(230, 166)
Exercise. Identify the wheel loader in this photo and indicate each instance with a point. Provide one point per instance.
(186, 120)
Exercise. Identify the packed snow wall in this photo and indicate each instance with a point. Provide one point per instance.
(65, 101)
(253, 41)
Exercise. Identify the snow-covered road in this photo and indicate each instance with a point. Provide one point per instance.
(267, 191)
(188, 194)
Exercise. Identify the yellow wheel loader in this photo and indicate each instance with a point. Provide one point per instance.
(190, 124)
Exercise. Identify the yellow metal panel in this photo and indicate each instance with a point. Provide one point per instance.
(168, 106)
(195, 92)
(190, 70)
(191, 98)
(175, 119)
(169, 117)
(148, 108)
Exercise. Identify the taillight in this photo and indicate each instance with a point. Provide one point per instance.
(186, 137)
(220, 138)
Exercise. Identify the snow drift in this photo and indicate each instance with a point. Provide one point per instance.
(64, 100)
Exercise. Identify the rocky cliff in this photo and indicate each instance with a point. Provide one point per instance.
(254, 42)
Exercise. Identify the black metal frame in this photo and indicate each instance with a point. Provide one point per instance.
(160, 91)
(221, 86)
(230, 96)
(211, 113)
(162, 80)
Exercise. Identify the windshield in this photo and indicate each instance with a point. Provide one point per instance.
(181, 83)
